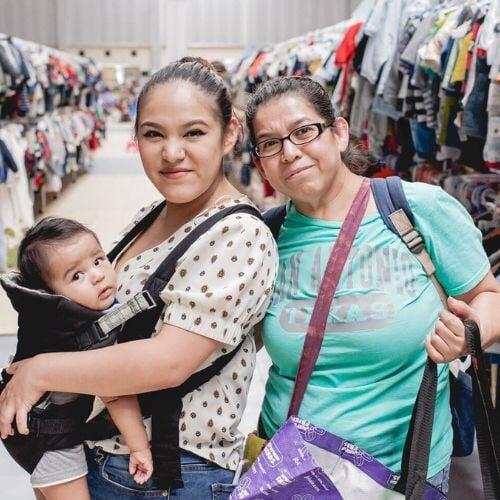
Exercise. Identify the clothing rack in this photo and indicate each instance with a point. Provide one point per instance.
(325, 34)
(50, 122)
(51, 50)
(409, 118)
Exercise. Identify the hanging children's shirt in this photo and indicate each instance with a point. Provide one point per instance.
(17, 182)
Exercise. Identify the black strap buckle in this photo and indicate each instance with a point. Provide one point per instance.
(33, 424)
(149, 299)
(97, 332)
(4, 378)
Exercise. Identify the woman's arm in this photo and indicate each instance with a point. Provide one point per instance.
(481, 304)
(484, 300)
(163, 361)
(240, 244)
(134, 367)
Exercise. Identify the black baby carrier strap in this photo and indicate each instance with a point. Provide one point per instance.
(142, 325)
(165, 406)
(49, 323)
(53, 323)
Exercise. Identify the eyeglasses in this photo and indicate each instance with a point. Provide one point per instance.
(298, 136)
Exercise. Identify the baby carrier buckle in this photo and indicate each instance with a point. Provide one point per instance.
(33, 425)
(148, 299)
(97, 332)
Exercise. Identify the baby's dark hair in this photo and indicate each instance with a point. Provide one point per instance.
(197, 71)
(32, 253)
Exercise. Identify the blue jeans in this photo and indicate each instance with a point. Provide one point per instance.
(440, 480)
(109, 479)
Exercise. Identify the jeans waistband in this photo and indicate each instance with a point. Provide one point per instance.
(186, 456)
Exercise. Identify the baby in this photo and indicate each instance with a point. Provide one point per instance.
(63, 257)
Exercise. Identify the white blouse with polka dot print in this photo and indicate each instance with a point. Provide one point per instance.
(221, 288)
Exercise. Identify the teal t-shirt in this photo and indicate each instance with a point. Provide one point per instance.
(365, 382)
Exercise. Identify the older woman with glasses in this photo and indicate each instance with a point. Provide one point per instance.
(386, 313)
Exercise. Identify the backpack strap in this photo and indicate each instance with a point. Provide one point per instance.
(397, 215)
(274, 218)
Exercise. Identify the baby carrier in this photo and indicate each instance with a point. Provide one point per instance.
(56, 427)
(50, 323)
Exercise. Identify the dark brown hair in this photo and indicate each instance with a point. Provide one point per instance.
(219, 67)
(32, 253)
(356, 158)
(197, 71)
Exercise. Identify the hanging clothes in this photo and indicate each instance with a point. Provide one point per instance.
(46, 131)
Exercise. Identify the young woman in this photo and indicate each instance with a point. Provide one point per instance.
(371, 362)
(220, 289)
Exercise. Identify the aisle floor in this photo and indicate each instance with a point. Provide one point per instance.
(105, 199)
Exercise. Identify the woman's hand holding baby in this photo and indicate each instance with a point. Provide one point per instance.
(19, 396)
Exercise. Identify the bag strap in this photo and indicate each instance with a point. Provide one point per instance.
(416, 451)
(487, 426)
(397, 215)
(415, 461)
(417, 446)
(329, 283)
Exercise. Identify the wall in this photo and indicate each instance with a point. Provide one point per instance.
(110, 56)
(167, 28)
(32, 20)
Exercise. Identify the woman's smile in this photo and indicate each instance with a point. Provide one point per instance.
(297, 172)
(177, 173)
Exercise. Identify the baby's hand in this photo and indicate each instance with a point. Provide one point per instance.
(141, 465)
